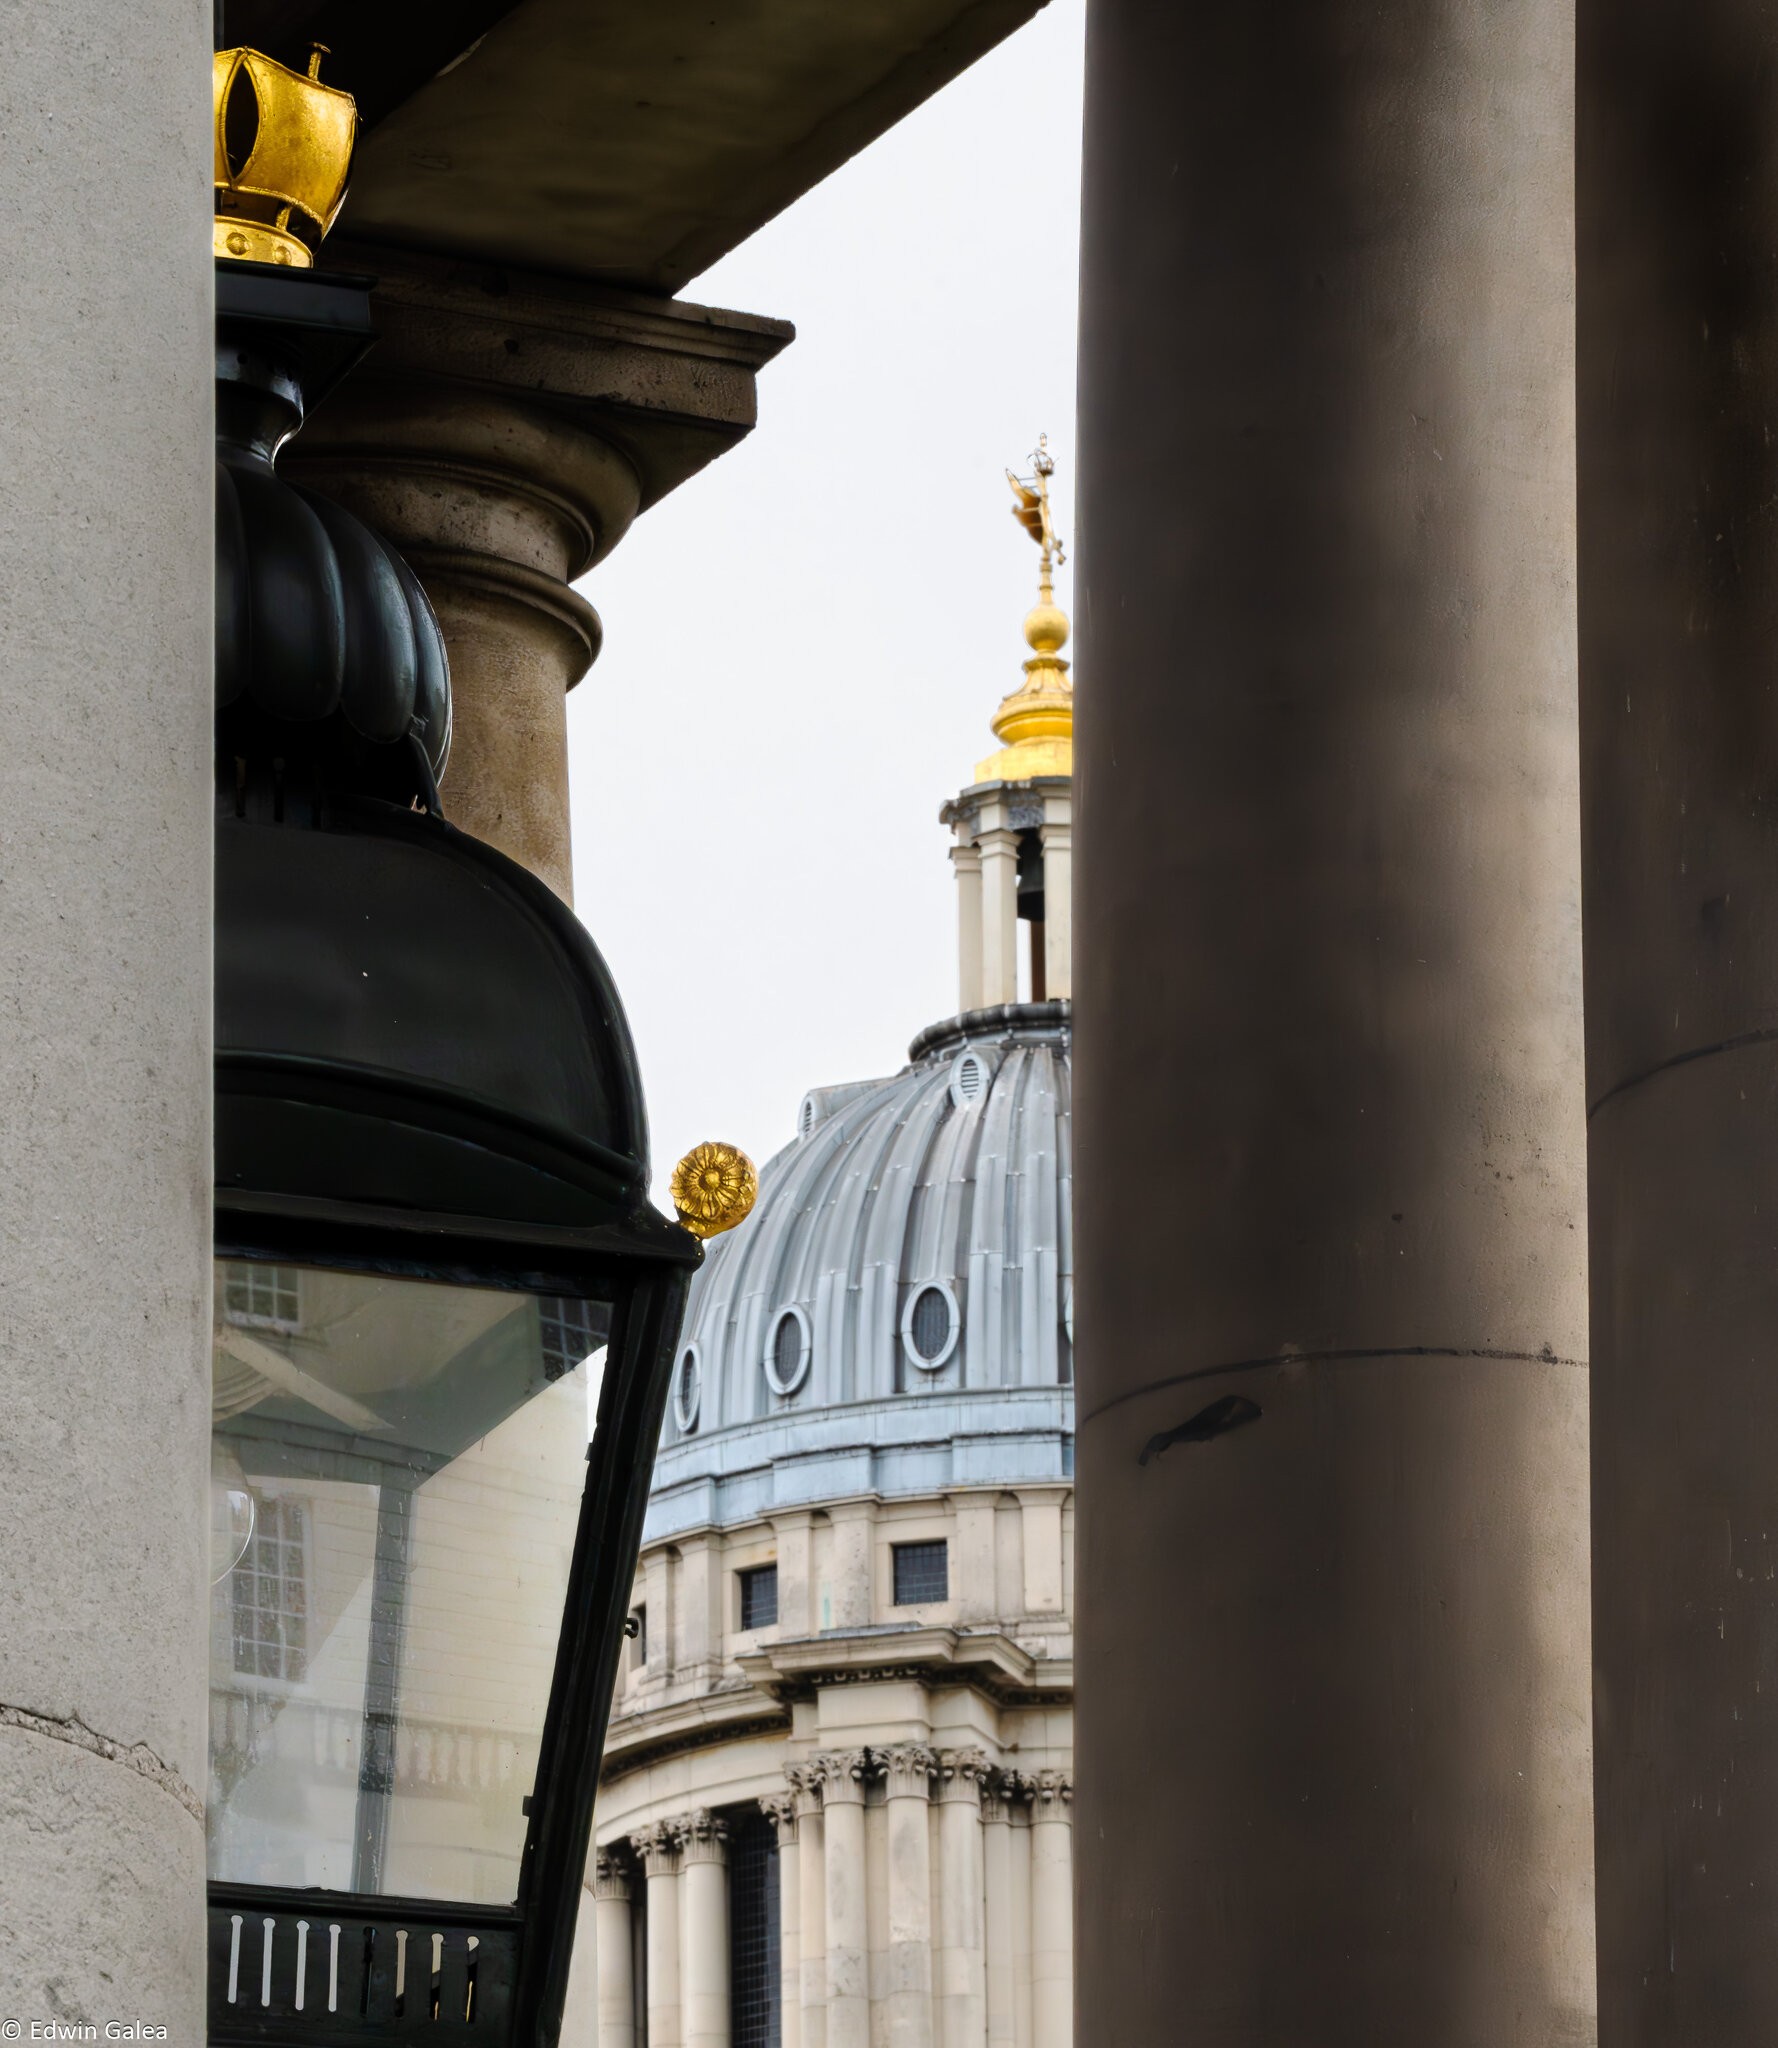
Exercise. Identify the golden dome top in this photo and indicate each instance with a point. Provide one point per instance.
(1035, 722)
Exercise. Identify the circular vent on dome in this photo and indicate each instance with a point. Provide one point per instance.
(688, 1390)
(789, 1347)
(929, 1326)
(969, 1079)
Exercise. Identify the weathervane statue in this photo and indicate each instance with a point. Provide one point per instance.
(1032, 511)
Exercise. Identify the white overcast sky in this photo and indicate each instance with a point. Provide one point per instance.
(803, 645)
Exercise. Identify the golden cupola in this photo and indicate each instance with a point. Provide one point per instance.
(283, 154)
(1035, 723)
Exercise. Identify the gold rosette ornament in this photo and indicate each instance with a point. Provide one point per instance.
(713, 1188)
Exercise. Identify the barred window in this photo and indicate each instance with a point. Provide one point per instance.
(922, 1573)
(567, 1331)
(271, 1593)
(759, 1597)
(756, 1966)
(262, 1294)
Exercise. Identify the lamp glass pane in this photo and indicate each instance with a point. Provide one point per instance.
(382, 1647)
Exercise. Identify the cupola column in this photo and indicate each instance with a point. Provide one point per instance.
(658, 1850)
(811, 1831)
(1058, 898)
(613, 1947)
(966, 860)
(843, 1774)
(1000, 914)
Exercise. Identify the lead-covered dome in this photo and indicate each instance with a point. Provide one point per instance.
(912, 1241)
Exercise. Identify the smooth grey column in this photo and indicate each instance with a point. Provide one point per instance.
(106, 487)
(1678, 381)
(1333, 1761)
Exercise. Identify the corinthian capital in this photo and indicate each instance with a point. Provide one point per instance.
(1052, 1793)
(657, 1849)
(909, 1768)
(781, 1812)
(804, 1781)
(703, 1837)
(611, 1874)
(963, 1774)
(842, 1774)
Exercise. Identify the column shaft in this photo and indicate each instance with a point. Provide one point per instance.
(811, 1829)
(703, 1935)
(997, 1922)
(782, 1812)
(106, 805)
(961, 1962)
(1058, 908)
(966, 859)
(1329, 1003)
(612, 1946)
(659, 1852)
(1678, 361)
(1000, 916)
(1052, 1914)
(848, 1937)
(909, 1770)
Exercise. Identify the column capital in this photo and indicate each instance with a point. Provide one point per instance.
(908, 1768)
(1052, 1794)
(780, 1810)
(963, 1775)
(804, 1781)
(703, 1837)
(612, 1869)
(967, 856)
(843, 1775)
(657, 1849)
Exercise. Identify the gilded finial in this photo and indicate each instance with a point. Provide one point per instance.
(283, 153)
(1036, 722)
(713, 1188)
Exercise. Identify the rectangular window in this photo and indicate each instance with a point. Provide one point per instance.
(264, 1295)
(756, 1953)
(759, 1597)
(922, 1573)
(271, 1594)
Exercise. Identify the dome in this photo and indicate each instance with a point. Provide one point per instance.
(907, 1271)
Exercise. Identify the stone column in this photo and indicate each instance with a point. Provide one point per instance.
(106, 798)
(1052, 1911)
(781, 1812)
(504, 442)
(966, 859)
(612, 1946)
(843, 1773)
(908, 1771)
(1000, 915)
(703, 1932)
(1330, 1110)
(997, 1919)
(961, 1961)
(658, 1851)
(811, 1828)
(1678, 217)
(1058, 906)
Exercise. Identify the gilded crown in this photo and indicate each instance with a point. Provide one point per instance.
(283, 154)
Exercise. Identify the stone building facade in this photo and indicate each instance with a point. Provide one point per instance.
(836, 1809)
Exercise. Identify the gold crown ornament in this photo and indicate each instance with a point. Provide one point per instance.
(283, 154)
(713, 1188)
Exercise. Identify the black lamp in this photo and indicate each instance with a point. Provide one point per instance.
(445, 1310)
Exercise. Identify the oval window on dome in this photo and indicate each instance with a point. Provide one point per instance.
(805, 1117)
(969, 1079)
(789, 1347)
(929, 1326)
(688, 1390)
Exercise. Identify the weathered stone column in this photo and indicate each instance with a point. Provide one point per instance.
(612, 1945)
(1678, 342)
(1052, 1910)
(997, 1918)
(1331, 1225)
(811, 1829)
(1058, 907)
(908, 1771)
(781, 1812)
(1000, 915)
(966, 860)
(106, 797)
(703, 1932)
(503, 434)
(961, 1972)
(1018, 1796)
(843, 1774)
(658, 1850)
